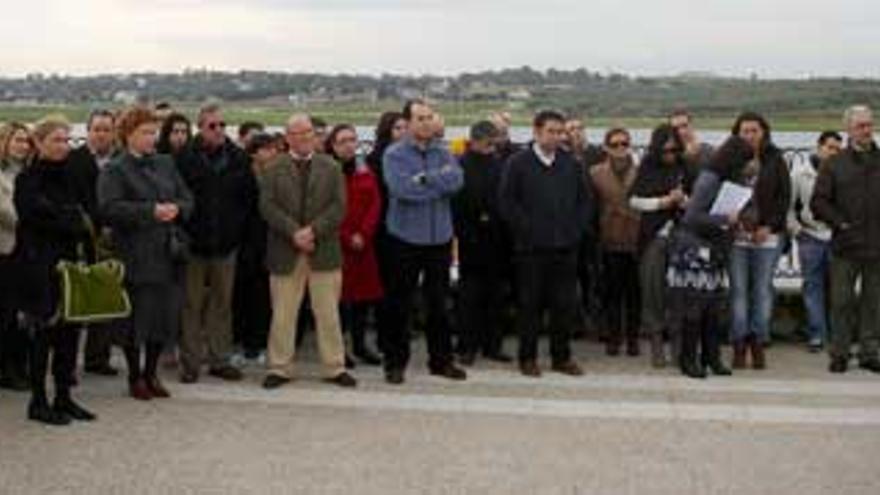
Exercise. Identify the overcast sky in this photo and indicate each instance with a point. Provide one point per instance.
(774, 38)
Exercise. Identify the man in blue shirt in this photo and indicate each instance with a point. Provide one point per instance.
(422, 177)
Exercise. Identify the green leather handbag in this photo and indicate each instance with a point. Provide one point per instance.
(93, 292)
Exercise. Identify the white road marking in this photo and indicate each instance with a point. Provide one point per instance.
(543, 408)
(861, 388)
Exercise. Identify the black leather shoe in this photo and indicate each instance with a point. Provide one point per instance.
(344, 380)
(530, 368)
(227, 373)
(450, 371)
(718, 369)
(274, 381)
(838, 365)
(569, 368)
(74, 410)
(394, 376)
(499, 357)
(101, 370)
(189, 377)
(467, 358)
(690, 369)
(872, 365)
(367, 357)
(42, 413)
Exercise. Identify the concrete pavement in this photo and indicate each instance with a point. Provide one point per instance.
(622, 429)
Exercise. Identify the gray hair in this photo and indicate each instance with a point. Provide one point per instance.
(207, 109)
(299, 118)
(854, 110)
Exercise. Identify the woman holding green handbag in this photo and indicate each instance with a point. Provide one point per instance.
(51, 229)
(143, 199)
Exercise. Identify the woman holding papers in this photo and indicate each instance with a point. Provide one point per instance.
(698, 258)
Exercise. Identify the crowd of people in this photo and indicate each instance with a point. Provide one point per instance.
(233, 248)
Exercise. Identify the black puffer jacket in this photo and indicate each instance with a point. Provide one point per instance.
(225, 193)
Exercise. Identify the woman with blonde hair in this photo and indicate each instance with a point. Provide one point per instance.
(52, 227)
(143, 199)
(16, 147)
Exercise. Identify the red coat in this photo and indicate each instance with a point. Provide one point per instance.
(360, 270)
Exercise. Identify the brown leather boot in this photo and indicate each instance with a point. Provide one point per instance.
(139, 390)
(759, 361)
(739, 355)
(658, 354)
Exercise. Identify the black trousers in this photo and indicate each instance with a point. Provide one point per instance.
(354, 321)
(59, 343)
(622, 297)
(547, 283)
(252, 310)
(431, 263)
(481, 302)
(14, 342)
(697, 322)
(589, 272)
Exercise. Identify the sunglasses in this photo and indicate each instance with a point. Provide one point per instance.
(672, 151)
(618, 144)
(216, 125)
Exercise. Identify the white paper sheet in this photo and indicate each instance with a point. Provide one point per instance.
(731, 199)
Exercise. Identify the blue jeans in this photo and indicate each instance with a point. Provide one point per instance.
(815, 262)
(751, 291)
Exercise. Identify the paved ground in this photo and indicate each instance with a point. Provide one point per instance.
(623, 429)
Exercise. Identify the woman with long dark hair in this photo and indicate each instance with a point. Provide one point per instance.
(759, 240)
(392, 128)
(174, 135)
(52, 227)
(660, 193)
(698, 254)
(361, 285)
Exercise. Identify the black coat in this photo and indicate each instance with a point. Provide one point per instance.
(475, 215)
(547, 208)
(225, 193)
(846, 197)
(51, 228)
(656, 180)
(128, 190)
(84, 174)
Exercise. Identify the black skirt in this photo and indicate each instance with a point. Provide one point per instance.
(155, 316)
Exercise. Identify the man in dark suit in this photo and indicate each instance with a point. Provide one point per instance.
(86, 162)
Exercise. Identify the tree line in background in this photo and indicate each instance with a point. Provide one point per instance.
(527, 89)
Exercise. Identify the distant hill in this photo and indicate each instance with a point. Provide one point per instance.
(523, 88)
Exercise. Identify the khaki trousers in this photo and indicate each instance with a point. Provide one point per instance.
(287, 294)
(207, 313)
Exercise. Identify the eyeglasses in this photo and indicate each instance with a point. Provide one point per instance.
(618, 144)
(672, 151)
(216, 125)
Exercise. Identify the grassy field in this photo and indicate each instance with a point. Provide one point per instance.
(456, 114)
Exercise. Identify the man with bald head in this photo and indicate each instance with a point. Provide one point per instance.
(845, 198)
(302, 199)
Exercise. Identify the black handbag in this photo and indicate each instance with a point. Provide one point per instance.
(179, 244)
